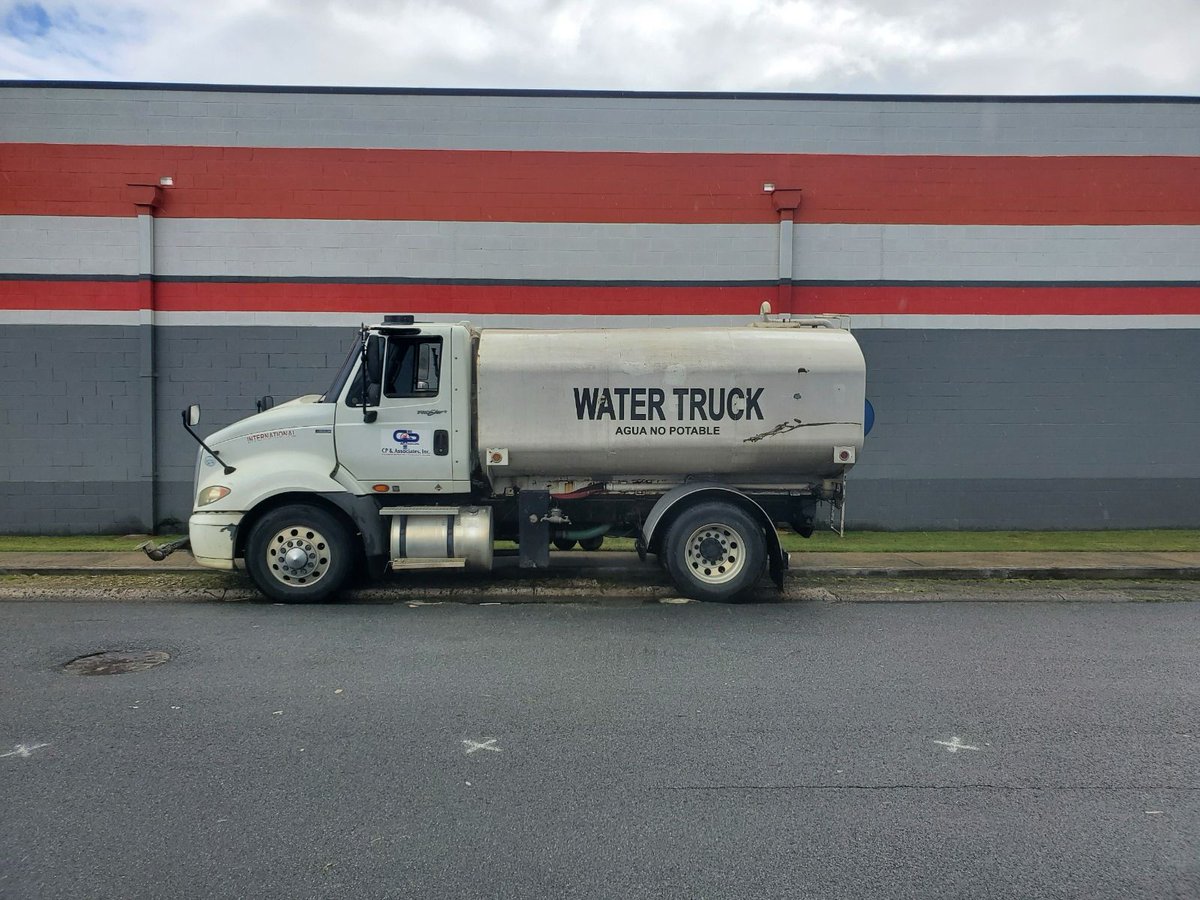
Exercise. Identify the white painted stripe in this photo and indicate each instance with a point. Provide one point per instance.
(354, 319)
(485, 250)
(333, 249)
(70, 317)
(69, 245)
(663, 124)
(998, 252)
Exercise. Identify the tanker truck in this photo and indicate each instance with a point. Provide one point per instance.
(435, 440)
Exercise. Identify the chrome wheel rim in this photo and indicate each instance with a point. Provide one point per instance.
(715, 553)
(298, 556)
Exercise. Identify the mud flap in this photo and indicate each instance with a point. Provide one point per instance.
(532, 509)
(778, 564)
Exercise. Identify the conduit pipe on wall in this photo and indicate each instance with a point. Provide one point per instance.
(146, 199)
(786, 201)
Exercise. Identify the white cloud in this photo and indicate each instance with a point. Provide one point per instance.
(888, 46)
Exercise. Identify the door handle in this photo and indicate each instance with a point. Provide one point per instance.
(441, 442)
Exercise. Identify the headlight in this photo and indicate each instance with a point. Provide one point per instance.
(212, 494)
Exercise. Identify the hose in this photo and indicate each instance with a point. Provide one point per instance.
(581, 534)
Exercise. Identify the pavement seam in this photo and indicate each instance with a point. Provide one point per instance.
(933, 787)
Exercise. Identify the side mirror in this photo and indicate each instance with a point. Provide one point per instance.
(191, 415)
(265, 402)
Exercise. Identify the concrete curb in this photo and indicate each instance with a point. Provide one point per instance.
(619, 577)
(860, 592)
(603, 568)
(1024, 573)
(159, 569)
(649, 586)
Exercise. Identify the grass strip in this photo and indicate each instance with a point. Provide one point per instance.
(1151, 540)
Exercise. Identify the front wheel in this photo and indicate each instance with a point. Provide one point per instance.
(715, 551)
(298, 554)
(592, 543)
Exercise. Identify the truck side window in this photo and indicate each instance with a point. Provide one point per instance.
(412, 367)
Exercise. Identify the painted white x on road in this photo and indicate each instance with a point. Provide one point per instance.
(954, 745)
(23, 750)
(485, 744)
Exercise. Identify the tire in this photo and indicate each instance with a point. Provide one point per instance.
(564, 543)
(592, 543)
(715, 551)
(328, 554)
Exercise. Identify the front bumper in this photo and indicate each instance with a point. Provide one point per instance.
(212, 537)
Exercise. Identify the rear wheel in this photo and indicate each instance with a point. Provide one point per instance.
(298, 554)
(592, 543)
(564, 543)
(715, 551)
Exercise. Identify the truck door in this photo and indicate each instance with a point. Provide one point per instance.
(408, 393)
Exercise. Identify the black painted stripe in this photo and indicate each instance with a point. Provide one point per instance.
(598, 94)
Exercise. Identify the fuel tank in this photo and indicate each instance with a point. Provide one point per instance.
(759, 404)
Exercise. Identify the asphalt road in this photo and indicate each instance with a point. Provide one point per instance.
(817, 749)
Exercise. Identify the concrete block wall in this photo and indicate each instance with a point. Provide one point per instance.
(1052, 429)
(225, 371)
(1029, 429)
(1022, 273)
(70, 459)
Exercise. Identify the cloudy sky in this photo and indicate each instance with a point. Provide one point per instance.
(884, 46)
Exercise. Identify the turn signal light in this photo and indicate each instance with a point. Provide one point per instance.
(380, 488)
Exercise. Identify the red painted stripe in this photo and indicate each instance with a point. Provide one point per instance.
(64, 295)
(462, 185)
(468, 300)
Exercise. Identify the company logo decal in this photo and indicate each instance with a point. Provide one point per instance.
(403, 442)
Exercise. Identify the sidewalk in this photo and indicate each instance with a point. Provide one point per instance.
(615, 564)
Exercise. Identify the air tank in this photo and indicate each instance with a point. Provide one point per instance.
(768, 403)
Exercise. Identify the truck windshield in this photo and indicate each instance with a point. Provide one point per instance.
(339, 381)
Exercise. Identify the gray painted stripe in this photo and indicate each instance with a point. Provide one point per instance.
(586, 252)
(579, 93)
(645, 123)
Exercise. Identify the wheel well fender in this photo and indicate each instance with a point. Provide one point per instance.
(359, 516)
(674, 502)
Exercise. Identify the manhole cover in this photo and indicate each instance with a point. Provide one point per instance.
(116, 662)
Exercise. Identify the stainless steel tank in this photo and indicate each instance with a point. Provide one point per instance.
(759, 404)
